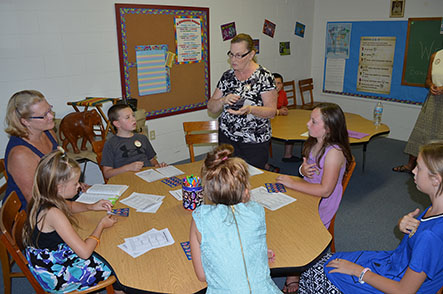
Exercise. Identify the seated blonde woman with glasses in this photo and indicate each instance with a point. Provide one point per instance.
(30, 121)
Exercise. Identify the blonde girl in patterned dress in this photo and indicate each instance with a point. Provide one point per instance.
(59, 259)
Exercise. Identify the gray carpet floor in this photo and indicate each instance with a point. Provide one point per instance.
(372, 204)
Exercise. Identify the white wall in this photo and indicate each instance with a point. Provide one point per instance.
(68, 50)
(399, 117)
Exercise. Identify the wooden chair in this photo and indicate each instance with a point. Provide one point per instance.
(289, 88)
(140, 117)
(5, 258)
(4, 175)
(11, 226)
(200, 132)
(97, 147)
(345, 182)
(307, 85)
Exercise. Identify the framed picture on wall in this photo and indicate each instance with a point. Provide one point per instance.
(397, 8)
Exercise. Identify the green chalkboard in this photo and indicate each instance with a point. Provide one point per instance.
(423, 39)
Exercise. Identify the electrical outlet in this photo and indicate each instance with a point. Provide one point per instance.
(152, 135)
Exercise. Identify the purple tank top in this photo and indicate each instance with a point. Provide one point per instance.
(328, 206)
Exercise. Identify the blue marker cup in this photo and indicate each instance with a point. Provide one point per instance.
(192, 197)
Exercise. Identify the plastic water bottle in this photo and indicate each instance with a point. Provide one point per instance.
(378, 111)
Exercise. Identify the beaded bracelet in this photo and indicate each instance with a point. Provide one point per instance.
(362, 274)
(94, 238)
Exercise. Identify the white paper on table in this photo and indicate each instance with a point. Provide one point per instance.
(135, 248)
(169, 171)
(125, 248)
(138, 245)
(151, 208)
(271, 201)
(142, 202)
(305, 134)
(178, 194)
(150, 175)
(253, 170)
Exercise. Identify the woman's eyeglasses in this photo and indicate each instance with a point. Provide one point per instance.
(45, 115)
(237, 56)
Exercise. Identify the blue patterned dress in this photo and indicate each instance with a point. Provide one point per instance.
(59, 269)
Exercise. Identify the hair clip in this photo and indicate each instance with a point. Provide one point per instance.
(60, 148)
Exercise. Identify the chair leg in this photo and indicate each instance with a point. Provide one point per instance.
(332, 245)
(110, 289)
(6, 268)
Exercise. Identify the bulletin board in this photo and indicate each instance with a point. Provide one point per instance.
(398, 92)
(423, 39)
(153, 26)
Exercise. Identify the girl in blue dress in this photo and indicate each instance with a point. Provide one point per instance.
(228, 236)
(415, 266)
(59, 259)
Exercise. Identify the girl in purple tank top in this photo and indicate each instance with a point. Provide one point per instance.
(326, 156)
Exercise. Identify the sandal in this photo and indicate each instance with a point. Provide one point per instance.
(273, 168)
(402, 169)
(288, 285)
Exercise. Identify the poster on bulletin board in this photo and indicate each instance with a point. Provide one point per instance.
(188, 36)
(364, 59)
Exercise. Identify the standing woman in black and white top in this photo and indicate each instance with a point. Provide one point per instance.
(247, 99)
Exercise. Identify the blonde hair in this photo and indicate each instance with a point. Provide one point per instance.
(432, 155)
(249, 43)
(19, 106)
(53, 169)
(225, 178)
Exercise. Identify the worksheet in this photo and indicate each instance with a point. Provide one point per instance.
(253, 170)
(144, 202)
(138, 245)
(271, 201)
(150, 175)
(169, 171)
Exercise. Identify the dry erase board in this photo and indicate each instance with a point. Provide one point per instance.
(152, 26)
(423, 39)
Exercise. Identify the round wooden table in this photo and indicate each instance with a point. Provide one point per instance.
(295, 233)
(292, 127)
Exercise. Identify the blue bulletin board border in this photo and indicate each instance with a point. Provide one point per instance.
(399, 93)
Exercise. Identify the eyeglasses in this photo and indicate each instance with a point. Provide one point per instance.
(237, 56)
(45, 115)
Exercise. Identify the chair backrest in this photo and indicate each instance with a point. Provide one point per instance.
(3, 175)
(11, 225)
(97, 147)
(348, 174)
(140, 117)
(200, 132)
(345, 182)
(306, 85)
(289, 88)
